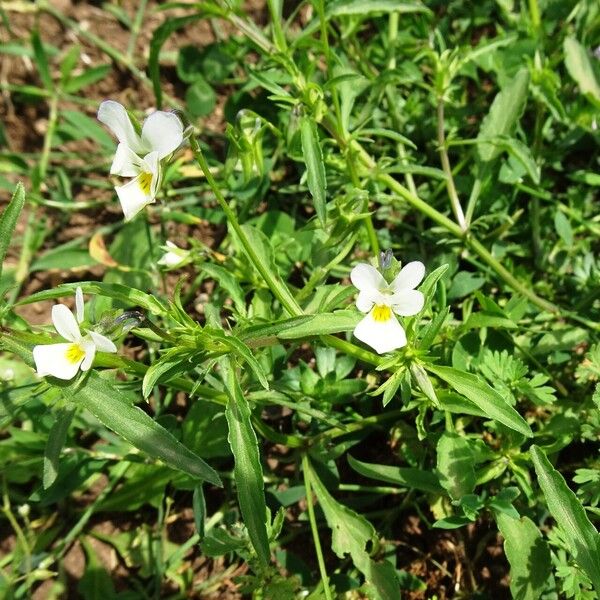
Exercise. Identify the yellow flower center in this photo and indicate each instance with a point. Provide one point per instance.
(145, 182)
(74, 353)
(382, 313)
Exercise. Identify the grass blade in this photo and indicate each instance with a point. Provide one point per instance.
(8, 221)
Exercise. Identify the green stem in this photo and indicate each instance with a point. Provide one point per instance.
(351, 350)
(452, 193)
(277, 287)
(390, 93)
(135, 29)
(313, 527)
(534, 12)
(330, 434)
(6, 509)
(278, 34)
(509, 278)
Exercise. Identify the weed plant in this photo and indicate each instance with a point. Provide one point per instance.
(354, 287)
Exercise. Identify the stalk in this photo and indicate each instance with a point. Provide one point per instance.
(452, 193)
(313, 527)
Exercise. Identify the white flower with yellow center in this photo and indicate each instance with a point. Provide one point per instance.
(64, 360)
(382, 301)
(139, 155)
(174, 256)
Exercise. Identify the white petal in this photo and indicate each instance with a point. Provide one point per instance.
(51, 359)
(115, 117)
(152, 165)
(407, 302)
(410, 277)
(65, 323)
(79, 308)
(367, 278)
(90, 352)
(102, 343)
(133, 198)
(364, 301)
(170, 259)
(382, 336)
(162, 132)
(126, 162)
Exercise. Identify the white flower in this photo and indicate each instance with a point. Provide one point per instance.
(174, 256)
(380, 329)
(139, 155)
(64, 360)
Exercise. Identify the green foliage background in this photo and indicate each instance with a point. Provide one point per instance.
(464, 135)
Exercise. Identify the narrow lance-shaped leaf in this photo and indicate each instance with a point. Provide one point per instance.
(117, 291)
(505, 112)
(114, 410)
(8, 221)
(580, 68)
(409, 477)
(41, 60)
(248, 471)
(315, 168)
(54, 445)
(339, 8)
(483, 396)
(581, 535)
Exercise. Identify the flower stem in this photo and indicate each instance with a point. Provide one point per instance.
(313, 527)
(454, 200)
(277, 287)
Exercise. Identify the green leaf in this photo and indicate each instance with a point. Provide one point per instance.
(171, 363)
(88, 128)
(563, 227)
(88, 77)
(505, 112)
(339, 8)
(315, 168)
(581, 536)
(8, 221)
(424, 481)
(96, 583)
(41, 60)
(200, 98)
(243, 352)
(528, 555)
(117, 291)
(455, 465)
(114, 410)
(248, 471)
(304, 326)
(54, 445)
(483, 396)
(523, 155)
(353, 534)
(580, 68)
(228, 282)
(199, 508)
(321, 324)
